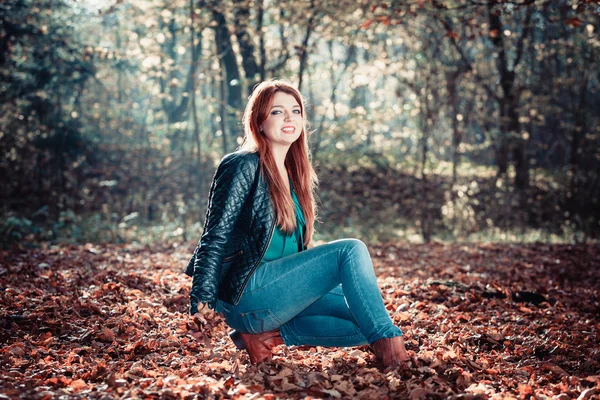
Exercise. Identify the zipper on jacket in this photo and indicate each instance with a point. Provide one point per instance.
(237, 299)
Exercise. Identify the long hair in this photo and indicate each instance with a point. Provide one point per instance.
(297, 160)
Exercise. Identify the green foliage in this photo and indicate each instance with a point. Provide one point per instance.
(44, 72)
(15, 229)
(410, 99)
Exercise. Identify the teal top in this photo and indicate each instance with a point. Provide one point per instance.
(283, 245)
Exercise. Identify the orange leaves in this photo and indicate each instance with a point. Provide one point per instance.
(16, 350)
(525, 391)
(382, 13)
(575, 22)
(381, 19)
(341, 385)
(367, 24)
(452, 34)
(118, 331)
(78, 385)
(555, 369)
(60, 381)
(106, 335)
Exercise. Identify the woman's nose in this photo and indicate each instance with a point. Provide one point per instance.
(287, 116)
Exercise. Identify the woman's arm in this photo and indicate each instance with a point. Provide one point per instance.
(231, 187)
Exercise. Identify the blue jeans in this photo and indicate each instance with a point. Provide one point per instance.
(325, 296)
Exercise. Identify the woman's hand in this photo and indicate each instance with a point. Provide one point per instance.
(194, 303)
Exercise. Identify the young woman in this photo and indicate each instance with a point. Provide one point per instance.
(252, 264)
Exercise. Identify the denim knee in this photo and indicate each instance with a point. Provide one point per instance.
(355, 245)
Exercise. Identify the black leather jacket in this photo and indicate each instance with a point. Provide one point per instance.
(240, 221)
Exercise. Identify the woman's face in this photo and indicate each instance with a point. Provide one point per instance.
(284, 122)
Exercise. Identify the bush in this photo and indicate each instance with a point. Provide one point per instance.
(15, 229)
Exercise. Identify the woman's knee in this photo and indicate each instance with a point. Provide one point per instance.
(355, 246)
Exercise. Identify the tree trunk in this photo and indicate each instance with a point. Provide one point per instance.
(196, 131)
(177, 107)
(260, 10)
(578, 129)
(456, 133)
(304, 48)
(215, 93)
(511, 137)
(520, 144)
(503, 148)
(242, 19)
(223, 112)
(119, 68)
(456, 137)
(317, 134)
(424, 191)
(232, 74)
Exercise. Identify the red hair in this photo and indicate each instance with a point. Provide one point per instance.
(297, 160)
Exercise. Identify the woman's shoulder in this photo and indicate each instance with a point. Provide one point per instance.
(241, 159)
(241, 156)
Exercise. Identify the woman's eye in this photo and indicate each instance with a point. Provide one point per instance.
(279, 112)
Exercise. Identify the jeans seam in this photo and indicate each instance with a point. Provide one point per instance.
(288, 331)
(360, 294)
(268, 314)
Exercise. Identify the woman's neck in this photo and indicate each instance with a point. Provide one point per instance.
(279, 154)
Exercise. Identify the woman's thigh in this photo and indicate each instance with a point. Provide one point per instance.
(282, 289)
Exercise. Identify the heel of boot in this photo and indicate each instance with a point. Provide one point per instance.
(237, 340)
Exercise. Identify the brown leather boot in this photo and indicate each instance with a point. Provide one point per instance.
(390, 351)
(258, 345)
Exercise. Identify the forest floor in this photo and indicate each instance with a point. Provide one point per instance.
(480, 321)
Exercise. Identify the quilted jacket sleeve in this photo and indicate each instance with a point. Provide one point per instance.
(230, 189)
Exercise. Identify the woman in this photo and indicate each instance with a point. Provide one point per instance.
(252, 264)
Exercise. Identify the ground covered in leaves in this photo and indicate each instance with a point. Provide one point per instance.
(480, 321)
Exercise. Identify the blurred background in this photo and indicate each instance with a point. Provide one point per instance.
(431, 120)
